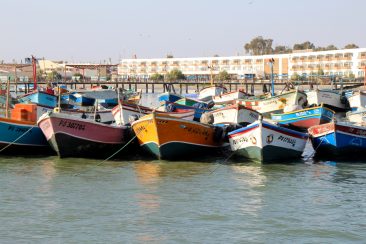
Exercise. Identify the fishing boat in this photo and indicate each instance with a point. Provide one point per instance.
(357, 116)
(329, 98)
(171, 138)
(275, 104)
(357, 100)
(265, 142)
(207, 93)
(339, 139)
(304, 118)
(234, 114)
(230, 97)
(124, 112)
(193, 102)
(198, 110)
(70, 136)
(168, 96)
(20, 133)
(39, 97)
(76, 98)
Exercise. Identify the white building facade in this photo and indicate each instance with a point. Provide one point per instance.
(343, 63)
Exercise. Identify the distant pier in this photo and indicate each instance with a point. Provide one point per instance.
(185, 86)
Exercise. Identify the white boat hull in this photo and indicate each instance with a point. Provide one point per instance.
(235, 114)
(276, 103)
(229, 97)
(208, 93)
(357, 101)
(330, 98)
(266, 142)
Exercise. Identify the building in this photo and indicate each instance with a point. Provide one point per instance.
(344, 63)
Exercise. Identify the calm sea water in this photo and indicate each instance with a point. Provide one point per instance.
(51, 200)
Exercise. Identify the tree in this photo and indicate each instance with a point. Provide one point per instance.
(157, 77)
(282, 49)
(223, 75)
(175, 74)
(296, 77)
(81, 77)
(351, 46)
(40, 75)
(259, 46)
(304, 46)
(169, 56)
(54, 75)
(320, 71)
(331, 47)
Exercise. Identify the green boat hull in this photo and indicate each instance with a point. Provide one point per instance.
(268, 153)
(180, 150)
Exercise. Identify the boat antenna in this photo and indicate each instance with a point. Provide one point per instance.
(7, 98)
(34, 65)
(119, 105)
(211, 75)
(271, 62)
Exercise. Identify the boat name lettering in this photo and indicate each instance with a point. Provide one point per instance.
(218, 114)
(17, 129)
(197, 131)
(140, 129)
(301, 113)
(357, 131)
(322, 129)
(287, 140)
(72, 125)
(253, 115)
(269, 102)
(240, 140)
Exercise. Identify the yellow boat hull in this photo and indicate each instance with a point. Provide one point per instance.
(173, 138)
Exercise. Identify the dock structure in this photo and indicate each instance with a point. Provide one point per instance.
(186, 86)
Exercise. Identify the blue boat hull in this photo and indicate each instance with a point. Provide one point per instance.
(169, 97)
(40, 98)
(80, 100)
(343, 141)
(305, 118)
(24, 139)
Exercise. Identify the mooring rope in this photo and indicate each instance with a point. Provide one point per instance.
(313, 153)
(119, 150)
(16, 139)
(222, 163)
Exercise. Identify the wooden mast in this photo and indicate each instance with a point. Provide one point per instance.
(7, 98)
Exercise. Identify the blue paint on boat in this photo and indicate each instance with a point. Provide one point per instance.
(198, 111)
(304, 117)
(79, 99)
(11, 131)
(39, 97)
(170, 97)
(338, 143)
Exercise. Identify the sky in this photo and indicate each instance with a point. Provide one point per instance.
(101, 31)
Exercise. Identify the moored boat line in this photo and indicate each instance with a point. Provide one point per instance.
(165, 134)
